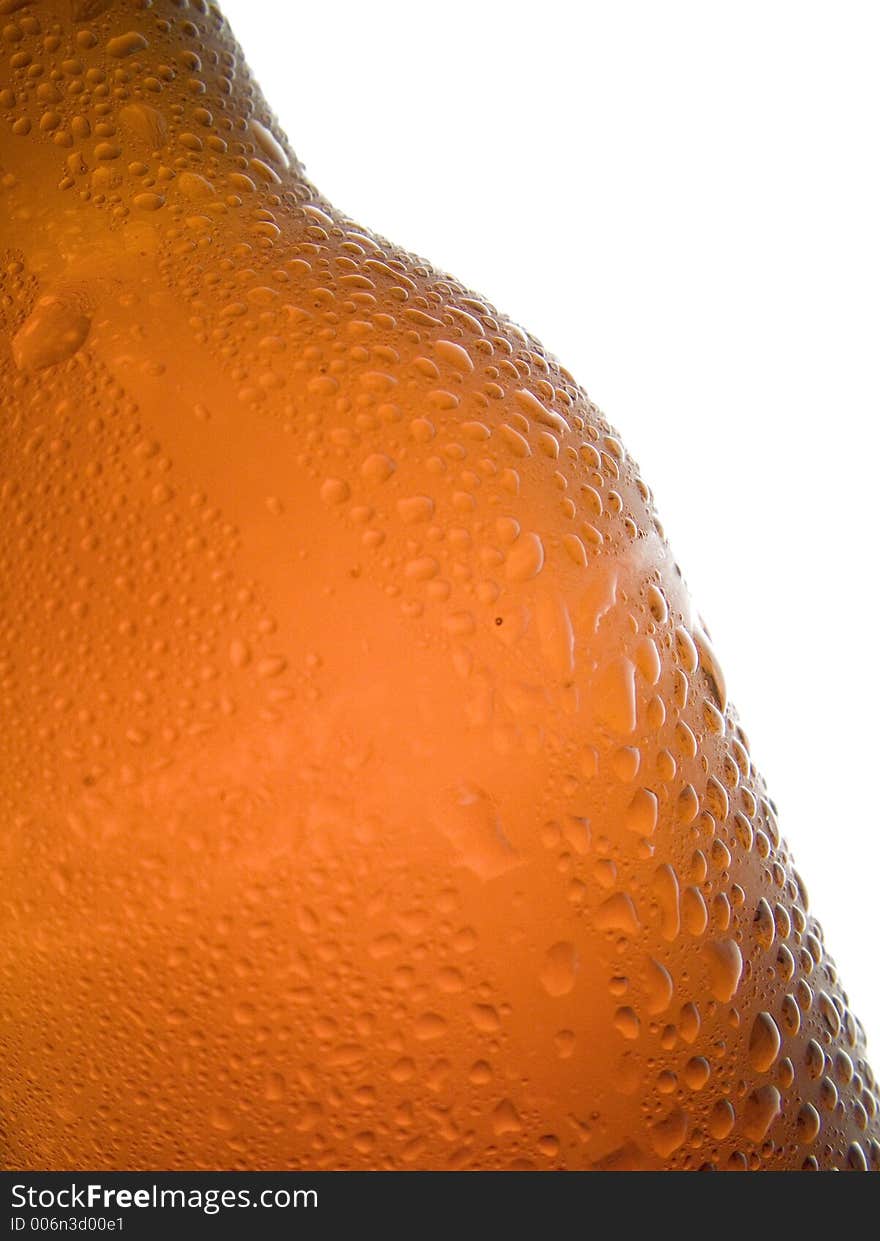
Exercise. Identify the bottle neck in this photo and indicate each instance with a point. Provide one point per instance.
(138, 114)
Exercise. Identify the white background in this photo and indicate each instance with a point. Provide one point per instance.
(681, 201)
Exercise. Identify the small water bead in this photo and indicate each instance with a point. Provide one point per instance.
(335, 491)
(564, 1043)
(480, 1073)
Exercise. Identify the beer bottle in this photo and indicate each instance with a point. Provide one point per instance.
(371, 797)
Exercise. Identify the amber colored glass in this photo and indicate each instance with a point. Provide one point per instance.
(370, 794)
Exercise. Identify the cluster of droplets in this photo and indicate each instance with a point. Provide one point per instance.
(118, 562)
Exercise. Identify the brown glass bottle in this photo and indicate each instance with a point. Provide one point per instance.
(370, 795)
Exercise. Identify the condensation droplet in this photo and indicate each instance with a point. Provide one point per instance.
(559, 971)
(52, 333)
(525, 559)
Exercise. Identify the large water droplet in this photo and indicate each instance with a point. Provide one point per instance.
(559, 971)
(52, 333)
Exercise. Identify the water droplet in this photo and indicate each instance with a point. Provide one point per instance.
(668, 1134)
(145, 123)
(268, 144)
(764, 1042)
(535, 409)
(429, 1026)
(454, 355)
(765, 925)
(696, 1072)
(414, 509)
(470, 821)
(762, 1107)
(149, 201)
(506, 1119)
(721, 1119)
(559, 971)
(377, 468)
(808, 1124)
(641, 814)
(694, 914)
(335, 491)
(626, 1022)
(486, 1018)
(127, 44)
(52, 333)
(616, 693)
(525, 559)
(617, 913)
(664, 887)
(659, 987)
(725, 968)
